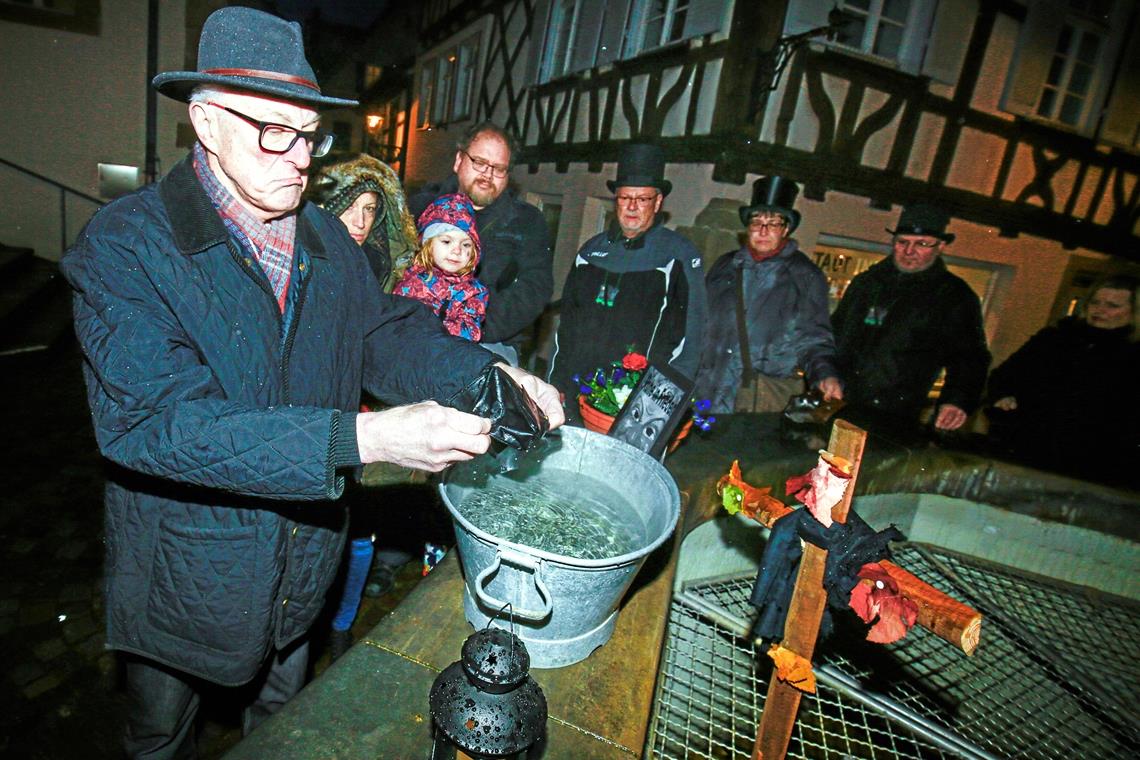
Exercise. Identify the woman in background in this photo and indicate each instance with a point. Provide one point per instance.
(1066, 400)
(365, 194)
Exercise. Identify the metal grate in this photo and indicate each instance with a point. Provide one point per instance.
(1054, 676)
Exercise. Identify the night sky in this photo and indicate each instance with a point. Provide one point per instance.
(359, 13)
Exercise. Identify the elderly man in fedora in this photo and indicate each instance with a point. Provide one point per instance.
(902, 322)
(770, 318)
(227, 332)
(637, 286)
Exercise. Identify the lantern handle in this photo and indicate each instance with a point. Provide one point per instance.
(524, 562)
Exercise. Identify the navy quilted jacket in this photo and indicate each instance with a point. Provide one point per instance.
(222, 427)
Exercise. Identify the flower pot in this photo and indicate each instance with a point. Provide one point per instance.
(592, 419)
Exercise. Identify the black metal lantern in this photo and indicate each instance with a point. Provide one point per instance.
(486, 704)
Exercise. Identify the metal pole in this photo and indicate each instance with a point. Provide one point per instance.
(150, 169)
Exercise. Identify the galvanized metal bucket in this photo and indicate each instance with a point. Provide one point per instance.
(563, 607)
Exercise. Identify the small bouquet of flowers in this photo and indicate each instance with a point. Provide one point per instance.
(603, 392)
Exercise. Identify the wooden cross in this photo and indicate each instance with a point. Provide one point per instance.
(806, 609)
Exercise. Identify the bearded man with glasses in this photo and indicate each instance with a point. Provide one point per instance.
(770, 322)
(637, 286)
(228, 331)
(515, 260)
(901, 323)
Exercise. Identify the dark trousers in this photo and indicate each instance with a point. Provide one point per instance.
(162, 703)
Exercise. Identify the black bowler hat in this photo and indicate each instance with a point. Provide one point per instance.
(641, 165)
(773, 193)
(922, 219)
(253, 51)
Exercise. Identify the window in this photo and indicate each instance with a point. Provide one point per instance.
(446, 84)
(1065, 94)
(654, 23)
(559, 45)
(369, 75)
(583, 34)
(81, 16)
(877, 27)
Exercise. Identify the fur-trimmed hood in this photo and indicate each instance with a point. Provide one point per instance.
(338, 185)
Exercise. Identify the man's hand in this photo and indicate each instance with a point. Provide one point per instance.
(1006, 404)
(831, 389)
(949, 417)
(544, 394)
(424, 436)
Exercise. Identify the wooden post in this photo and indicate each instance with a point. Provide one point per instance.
(805, 612)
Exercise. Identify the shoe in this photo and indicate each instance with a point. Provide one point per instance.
(381, 580)
(339, 643)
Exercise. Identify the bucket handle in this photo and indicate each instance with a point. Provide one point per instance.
(522, 561)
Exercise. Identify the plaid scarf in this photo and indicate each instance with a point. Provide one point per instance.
(271, 243)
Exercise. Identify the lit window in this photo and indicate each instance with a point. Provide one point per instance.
(447, 83)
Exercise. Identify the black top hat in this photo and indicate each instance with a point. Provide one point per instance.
(641, 165)
(250, 50)
(773, 193)
(921, 219)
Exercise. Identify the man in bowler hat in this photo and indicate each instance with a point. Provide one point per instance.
(905, 320)
(637, 286)
(227, 332)
(769, 318)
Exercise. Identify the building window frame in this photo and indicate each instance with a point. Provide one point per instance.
(1067, 94)
(886, 36)
(447, 82)
(653, 24)
(560, 40)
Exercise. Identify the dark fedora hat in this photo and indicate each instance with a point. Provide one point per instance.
(253, 51)
(773, 193)
(923, 219)
(641, 165)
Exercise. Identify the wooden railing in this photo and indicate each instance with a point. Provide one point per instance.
(1098, 212)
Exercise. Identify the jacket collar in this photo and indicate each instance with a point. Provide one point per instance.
(614, 235)
(195, 222)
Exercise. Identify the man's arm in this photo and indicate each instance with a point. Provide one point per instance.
(518, 303)
(159, 410)
(814, 342)
(967, 359)
(696, 309)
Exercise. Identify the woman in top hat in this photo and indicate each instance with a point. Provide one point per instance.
(638, 286)
(771, 300)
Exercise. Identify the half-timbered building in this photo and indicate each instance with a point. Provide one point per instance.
(1019, 116)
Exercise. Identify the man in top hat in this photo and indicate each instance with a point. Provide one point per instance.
(227, 332)
(515, 261)
(902, 322)
(637, 286)
(770, 321)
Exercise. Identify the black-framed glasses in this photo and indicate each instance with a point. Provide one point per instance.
(280, 138)
(764, 225)
(482, 166)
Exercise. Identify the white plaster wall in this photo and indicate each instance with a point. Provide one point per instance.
(71, 101)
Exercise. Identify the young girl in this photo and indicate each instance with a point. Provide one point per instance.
(441, 272)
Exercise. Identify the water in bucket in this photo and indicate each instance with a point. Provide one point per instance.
(564, 513)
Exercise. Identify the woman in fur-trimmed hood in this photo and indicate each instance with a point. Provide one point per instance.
(365, 194)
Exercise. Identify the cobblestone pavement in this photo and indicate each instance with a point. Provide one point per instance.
(61, 694)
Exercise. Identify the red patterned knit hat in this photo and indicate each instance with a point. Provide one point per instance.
(449, 213)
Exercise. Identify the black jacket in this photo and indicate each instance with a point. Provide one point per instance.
(515, 263)
(896, 331)
(1074, 386)
(220, 417)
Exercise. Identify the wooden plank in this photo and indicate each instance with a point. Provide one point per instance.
(806, 609)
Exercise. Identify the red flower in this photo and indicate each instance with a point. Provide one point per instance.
(634, 362)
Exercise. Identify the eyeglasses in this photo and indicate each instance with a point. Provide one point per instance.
(280, 138)
(763, 226)
(635, 200)
(482, 166)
